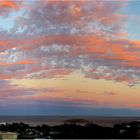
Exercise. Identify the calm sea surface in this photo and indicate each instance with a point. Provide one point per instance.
(57, 120)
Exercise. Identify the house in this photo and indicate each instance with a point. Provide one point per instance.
(8, 135)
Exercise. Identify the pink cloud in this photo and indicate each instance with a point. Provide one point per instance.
(134, 105)
(79, 36)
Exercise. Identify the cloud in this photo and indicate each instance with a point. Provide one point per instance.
(109, 93)
(77, 17)
(8, 4)
(7, 7)
(134, 105)
(55, 38)
(11, 93)
(82, 91)
(57, 98)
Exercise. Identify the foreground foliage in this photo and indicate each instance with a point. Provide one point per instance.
(73, 130)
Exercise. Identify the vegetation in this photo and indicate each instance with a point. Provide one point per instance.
(74, 131)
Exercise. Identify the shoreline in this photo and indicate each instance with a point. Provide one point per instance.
(58, 120)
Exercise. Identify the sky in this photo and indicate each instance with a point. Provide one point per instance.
(70, 57)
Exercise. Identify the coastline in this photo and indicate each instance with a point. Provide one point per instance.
(58, 120)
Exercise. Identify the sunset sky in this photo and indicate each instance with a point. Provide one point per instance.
(70, 57)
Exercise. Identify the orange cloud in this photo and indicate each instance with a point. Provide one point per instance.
(24, 62)
(119, 52)
(8, 4)
(5, 76)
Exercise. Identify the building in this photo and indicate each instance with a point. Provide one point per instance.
(2, 123)
(8, 135)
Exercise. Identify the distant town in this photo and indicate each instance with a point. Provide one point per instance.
(71, 129)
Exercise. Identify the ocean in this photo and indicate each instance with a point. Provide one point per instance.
(57, 120)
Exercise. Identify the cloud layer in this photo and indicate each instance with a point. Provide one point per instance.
(52, 39)
(55, 38)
